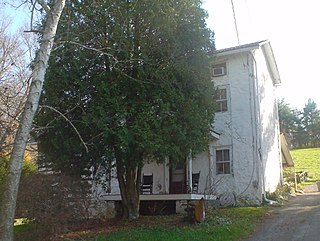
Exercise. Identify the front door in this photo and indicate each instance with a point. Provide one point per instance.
(178, 179)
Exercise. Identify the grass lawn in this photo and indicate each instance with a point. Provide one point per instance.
(308, 160)
(221, 224)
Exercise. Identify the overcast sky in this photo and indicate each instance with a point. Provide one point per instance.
(292, 26)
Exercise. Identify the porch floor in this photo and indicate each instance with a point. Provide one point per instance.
(151, 197)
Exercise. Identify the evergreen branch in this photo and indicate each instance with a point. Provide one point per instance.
(64, 117)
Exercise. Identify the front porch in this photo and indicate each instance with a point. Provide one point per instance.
(161, 204)
(163, 197)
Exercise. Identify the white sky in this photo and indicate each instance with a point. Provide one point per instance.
(292, 26)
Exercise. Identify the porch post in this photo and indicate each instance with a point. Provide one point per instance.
(165, 176)
(189, 171)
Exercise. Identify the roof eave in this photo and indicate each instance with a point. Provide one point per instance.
(267, 51)
(235, 51)
(271, 63)
(239, 49)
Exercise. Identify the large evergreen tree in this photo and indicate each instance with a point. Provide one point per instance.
(133, 77)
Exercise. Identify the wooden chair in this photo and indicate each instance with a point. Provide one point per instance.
(146, 184)
(195, 182)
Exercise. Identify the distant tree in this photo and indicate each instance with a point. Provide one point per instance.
(311, 123)
(14, 80)
(287, 117)
(133, 78)
(300, 136)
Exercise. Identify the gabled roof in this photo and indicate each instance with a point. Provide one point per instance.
(239, 48)
(267, 51)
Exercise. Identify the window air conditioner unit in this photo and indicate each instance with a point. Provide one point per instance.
(218, 71)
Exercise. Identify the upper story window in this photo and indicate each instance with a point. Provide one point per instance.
(222, 100)
(219, 70)
(223, 161)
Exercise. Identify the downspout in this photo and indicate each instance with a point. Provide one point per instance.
(258, 140)
(257, 122)
(279, 145)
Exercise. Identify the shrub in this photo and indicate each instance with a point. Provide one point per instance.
(28, 167)
(281, 194)
(3, 168)
(54, 202)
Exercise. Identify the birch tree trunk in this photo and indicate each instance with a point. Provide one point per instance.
(9, 197)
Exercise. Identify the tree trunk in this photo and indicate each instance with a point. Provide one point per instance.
(129, 182)
(9, 197)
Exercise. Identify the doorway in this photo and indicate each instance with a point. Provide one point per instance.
(178, 179)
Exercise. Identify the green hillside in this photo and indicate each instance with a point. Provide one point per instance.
(308, 160)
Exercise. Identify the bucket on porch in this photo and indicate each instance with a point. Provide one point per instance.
(199, 211)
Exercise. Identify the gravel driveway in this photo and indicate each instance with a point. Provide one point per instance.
(297, 220)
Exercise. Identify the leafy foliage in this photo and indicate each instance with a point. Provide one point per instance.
(133, 77)
(303, 127)
(28, 167)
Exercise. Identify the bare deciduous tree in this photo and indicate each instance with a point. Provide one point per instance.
(14, 80)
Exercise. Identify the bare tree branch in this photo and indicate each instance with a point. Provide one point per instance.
(64, 117)
(44, 5)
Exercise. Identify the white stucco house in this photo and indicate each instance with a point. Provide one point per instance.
(243, 160)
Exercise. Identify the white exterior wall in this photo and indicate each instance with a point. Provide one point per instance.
(160, 177)
(203, 164)
(249, 128)
(237, 129)
(269, 128)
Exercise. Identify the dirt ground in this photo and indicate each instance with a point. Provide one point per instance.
(297, 220)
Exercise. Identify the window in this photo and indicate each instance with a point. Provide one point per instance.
(219, 70)
(223, 161)
(221, 99)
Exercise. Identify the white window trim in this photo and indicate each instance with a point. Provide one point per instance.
(226, 87)
(220, 148)
(223, 65)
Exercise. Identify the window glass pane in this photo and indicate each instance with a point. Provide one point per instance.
(226, 156)
(227, 169)
(224, 106)
(179, 166)
(219, 156)
(223, 161)
(220, 168)
(221, 100)
(223, 94)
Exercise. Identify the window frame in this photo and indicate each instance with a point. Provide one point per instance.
(223, 162)
(219, 65)
(222, 100)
